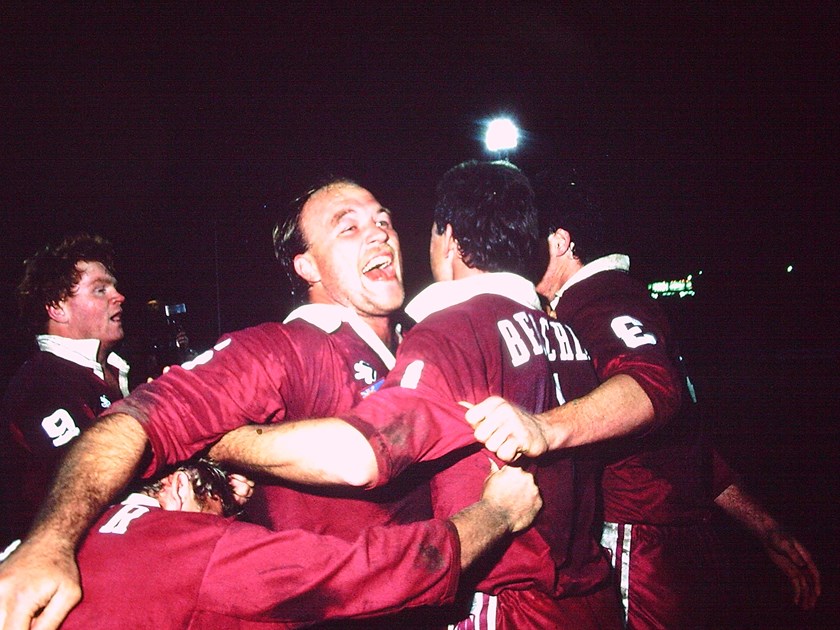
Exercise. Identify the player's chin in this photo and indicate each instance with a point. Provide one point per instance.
(386, 303)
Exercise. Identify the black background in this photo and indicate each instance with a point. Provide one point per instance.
(711, 129)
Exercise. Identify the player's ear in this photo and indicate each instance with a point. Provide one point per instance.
(57, 312)
(450, 242)
(306, 268)
(182, 490)
(559, 242)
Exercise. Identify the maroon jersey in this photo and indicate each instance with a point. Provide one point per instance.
(48, 403)
(492, 345)
(665, 476)
(271, 373)
(145, 567)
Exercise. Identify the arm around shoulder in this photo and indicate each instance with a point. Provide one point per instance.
(41, 575)
(326, 451)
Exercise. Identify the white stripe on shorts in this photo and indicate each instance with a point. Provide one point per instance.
(482, 614)
(609, 540)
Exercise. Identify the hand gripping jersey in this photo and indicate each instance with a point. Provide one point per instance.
(271, 373)
(472, 342)
(145, 567)
(48, 403)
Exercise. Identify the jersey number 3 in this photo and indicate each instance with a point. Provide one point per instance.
(629, 330)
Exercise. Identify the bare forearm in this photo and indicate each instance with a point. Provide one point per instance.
(785, 551)
(317, 452)
(743, 508)
(617, 407)
(99, 465)
(480, 526)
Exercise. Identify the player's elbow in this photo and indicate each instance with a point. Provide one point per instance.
(355, 465)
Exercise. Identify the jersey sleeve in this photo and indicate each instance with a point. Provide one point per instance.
(625, 332)
(246, 377)
(299, 577)
(415, 417)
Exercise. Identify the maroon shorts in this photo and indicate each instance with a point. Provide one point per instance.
(667, 576)
(532, 610)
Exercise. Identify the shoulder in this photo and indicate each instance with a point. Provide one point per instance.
(606, 291)
(45, 373)
(273, 337)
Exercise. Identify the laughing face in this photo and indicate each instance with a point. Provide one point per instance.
(94, 310)
(354, 255)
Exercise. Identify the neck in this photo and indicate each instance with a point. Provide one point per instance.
(102, 353)
(381, 325)
(558, 273)
(460, 270)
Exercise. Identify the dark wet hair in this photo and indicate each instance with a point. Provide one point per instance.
(51, 275)
(565, 201)
(207, 479)
(490, 206)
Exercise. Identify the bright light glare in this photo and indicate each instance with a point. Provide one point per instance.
(789, 268)
(502, 135)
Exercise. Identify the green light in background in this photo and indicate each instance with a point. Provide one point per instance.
(668, 288)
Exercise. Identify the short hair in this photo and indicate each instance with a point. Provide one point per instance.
(51, 275)
(565, 201)
(207, 479)
(490, 206)
(288, 237)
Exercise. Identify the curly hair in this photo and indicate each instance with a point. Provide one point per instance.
(51, 275)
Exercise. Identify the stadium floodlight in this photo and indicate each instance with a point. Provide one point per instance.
(502, 135)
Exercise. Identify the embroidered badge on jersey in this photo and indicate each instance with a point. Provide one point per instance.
(364, 372)
(372, 389)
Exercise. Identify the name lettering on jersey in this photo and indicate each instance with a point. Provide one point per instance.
(365, 372)
(119, 522)
(205, 356)
(104, 402)
(548, 337)
(60, 427)
(629, 330)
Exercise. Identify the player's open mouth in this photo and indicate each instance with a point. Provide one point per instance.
(380, 268)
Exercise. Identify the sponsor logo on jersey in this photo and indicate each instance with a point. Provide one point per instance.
(372, 389)
(364, 372)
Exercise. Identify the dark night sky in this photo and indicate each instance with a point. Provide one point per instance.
(168, 130)
(710, 128)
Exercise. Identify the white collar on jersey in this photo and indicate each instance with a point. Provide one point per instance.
(83, 352)
(612, 262)
(329, 317)
(441, 295)
(138, 498)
